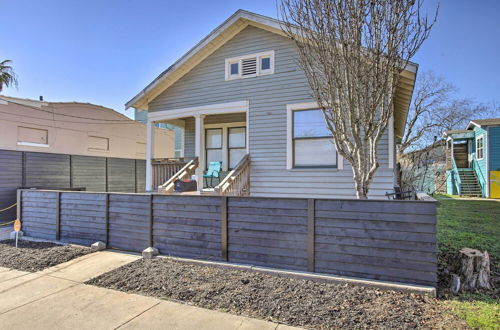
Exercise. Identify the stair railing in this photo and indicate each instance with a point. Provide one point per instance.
(479, 174)
(164, 169)
(456, 177)
(183, 173)
(237, 182)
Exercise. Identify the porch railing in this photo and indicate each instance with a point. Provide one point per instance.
(185, 172)
(237, 182)
(479, 174)
(164, 169)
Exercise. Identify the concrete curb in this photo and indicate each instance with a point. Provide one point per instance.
(320, 277)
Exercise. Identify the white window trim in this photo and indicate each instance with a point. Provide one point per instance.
(32, 144)
(238, 60)
(479, 137)
(290, 108)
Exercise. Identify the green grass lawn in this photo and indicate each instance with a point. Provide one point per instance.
(474, 224)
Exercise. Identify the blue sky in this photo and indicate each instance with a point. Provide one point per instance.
(104, 52)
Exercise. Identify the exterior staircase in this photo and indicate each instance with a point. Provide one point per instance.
(469, 184)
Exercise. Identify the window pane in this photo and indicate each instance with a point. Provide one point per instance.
(265, 63)
(309, 123)
(235, 155)
(214, 138)
(234, 68)
(314, 152)
(214, 155)
(237, 137)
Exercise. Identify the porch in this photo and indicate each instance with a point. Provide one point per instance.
(216, 133)
(464, 175)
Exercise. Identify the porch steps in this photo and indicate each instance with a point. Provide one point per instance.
(469, 186)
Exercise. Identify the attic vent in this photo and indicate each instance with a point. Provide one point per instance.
(249, 66)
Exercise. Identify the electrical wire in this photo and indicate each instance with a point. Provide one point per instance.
(74, 122)
(66, 115)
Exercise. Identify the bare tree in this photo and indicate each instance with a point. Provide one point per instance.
(431, 97)
(352, 53)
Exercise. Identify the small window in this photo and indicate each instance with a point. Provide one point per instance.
(251, 65)
(32, 136)
(234, 69)
(312, 140)
(265, 63)
(97, 143)
(480, 147)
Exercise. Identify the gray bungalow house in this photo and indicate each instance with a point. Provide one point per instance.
(242, 99)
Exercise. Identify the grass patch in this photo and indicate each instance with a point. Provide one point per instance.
(469, 223)
(478, 314)
(474, 224)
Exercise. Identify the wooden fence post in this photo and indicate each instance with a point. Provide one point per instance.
(19, 204)
(150, 238)
(106, 217)
(223, 229)
(310, 234)
(58, 215)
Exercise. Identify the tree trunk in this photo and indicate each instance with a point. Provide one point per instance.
(472, 271)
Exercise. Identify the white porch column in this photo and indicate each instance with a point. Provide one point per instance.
(149, 155)
(199, 147)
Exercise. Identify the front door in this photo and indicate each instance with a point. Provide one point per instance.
(460, 153)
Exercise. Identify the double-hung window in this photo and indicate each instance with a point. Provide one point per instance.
(312, 142)
(480, 147)
(213, 142)
(237, 147)
(251, 65)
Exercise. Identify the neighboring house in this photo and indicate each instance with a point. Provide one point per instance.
(76, 128)
(241, 92)
(424, 169)
(142, 116)
(473, 159)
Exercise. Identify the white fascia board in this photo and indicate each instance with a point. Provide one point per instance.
(471, 123)
(211, 109)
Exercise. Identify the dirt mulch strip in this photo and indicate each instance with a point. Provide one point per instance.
(34, 256)
(291, 301)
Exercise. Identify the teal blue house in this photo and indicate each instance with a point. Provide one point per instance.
(473, 159)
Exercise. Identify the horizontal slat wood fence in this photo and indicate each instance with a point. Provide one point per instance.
(58, 171)
(374, 239)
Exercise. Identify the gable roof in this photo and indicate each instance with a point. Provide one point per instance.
(484, 122)
(228, 29)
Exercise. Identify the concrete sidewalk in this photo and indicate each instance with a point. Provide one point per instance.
(57, 298)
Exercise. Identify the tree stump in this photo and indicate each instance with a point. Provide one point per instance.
(472, 271)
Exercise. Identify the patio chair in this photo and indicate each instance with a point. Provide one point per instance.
(214, 169)
(400, 195)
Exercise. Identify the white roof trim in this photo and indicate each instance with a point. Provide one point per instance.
(209, 109)
(472, 123)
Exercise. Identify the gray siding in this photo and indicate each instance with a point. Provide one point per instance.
(268, 96)
(382, 240)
